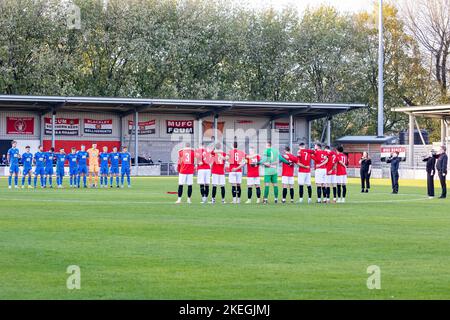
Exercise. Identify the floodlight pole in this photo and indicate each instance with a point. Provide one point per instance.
(380, 131)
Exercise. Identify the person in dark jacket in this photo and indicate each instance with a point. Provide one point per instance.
(441, 167)
(394, 160)
(431, 170)
(365, 172)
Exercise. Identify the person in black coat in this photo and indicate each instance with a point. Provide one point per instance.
(431, 170)
(394, 160)
(441, 167)
(365, 172)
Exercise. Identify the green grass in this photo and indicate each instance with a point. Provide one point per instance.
(136, 244)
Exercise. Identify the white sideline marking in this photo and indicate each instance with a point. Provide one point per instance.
(172, 202)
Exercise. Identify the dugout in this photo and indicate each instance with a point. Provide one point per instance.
(154, 126)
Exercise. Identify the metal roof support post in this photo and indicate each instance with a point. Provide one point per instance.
(41, 129)
(136, 141)
(216, 117)
(200, 131)
(411, 141)
(53, 127)
(329, 131)
(291, 127)
(443, 132)
(120, 131)
(309, 134)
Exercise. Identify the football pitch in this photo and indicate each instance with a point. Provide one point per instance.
(137, 244)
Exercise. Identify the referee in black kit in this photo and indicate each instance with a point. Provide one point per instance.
(431, 171)
(394, 160)
(441, 167)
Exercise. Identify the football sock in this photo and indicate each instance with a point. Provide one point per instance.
(111, 180)
(344, 191)
(189, 193)
(202, 190)
(324, 192)
(50, 181)
(300, 191)
(258, 192)
(266, 192)
(214, 192)
(117, 180)
(249, 192)
(275, 191)
(84, 181)
(319, 192)
(339, 191)
(238, 191)
(233, 191)
(334, 192)
(23, 180)
(309, 192)
(42, 181)
(16, 180)
(291, 193)
(29, 180)
(9, 180)
(180, 191)
(206, 190)
(222, 191)
(128, 180)
(284, 193)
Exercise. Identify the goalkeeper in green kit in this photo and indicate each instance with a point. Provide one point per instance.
(270, 160)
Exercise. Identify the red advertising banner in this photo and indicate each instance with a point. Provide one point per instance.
(98, 126)
(63, 127)
(144, 127)
(282, 127)
(20, 125)
(180, 126)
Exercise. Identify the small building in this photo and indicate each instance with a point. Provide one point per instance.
(354, 146)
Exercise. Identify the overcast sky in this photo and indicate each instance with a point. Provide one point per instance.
(341, 5)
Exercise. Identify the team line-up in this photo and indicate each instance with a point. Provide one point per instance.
(82, 164)
(211, 162)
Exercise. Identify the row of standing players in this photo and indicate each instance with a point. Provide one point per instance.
(115, 164)
(210, 162)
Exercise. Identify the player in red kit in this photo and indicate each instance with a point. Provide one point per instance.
(253, 177)
(331, 174)
(218, 172)
(304, 157)
(341, 177)
(320, 164)
(204, 159)
(236, 159)
(287, 176)
(186, 168)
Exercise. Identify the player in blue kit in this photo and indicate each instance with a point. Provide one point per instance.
(104, 168)
(49, 157)
(73, 167)
(39, 160)
(125, 159)
(114, 157)
(13, 157)
(27, 162)
(82, 157)
(60, 162)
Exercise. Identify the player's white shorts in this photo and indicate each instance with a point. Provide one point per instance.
(304, 178)
(218, 179)
(331, 179)
(341, 179)
(321, 176)
(235, 177)
(204, 176)
(287, 180)
(253, 181)
(185, 179)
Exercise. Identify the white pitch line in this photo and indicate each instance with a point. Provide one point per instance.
(172, 203)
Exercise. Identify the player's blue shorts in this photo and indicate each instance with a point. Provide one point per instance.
(39, 171)
(114, 170)
(49, 171)
(26, 170)
(60, 171)
(73, 171)
(104, 170)
(14, 168)
(82, 169)
(125, 170)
